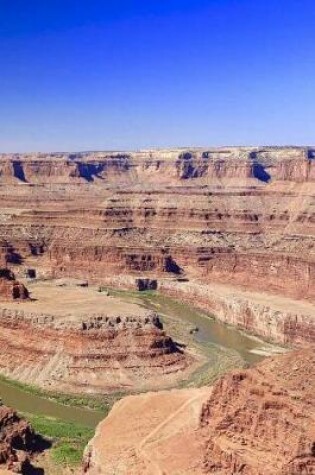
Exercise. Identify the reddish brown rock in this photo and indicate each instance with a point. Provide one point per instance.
(11, 289)
(239, 216)
(90, 360)
(90, 342)
(254, 422)
(263, 420)
(17, 440)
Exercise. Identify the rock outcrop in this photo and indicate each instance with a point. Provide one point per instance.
(263, 420)
(11, 289)
(17, 441)
(255, 422)
(96, 353)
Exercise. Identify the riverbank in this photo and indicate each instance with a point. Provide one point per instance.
(73, 409)
(67, 441)
(194, 326)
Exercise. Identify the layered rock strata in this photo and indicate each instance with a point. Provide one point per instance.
(236, 216)
(263, 420)
(253, 422)
(98, 353)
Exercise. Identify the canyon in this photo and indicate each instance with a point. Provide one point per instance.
(229, 231)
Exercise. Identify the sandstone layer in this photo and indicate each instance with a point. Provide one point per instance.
(255, 422)
(240, 217)
(17, 441)
(77, 339)
(263, 420)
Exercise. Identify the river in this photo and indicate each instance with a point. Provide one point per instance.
(209, 332)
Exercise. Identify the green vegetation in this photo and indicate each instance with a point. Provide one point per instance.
(68, 439)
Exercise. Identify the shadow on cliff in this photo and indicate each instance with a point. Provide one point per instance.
(260, 173)
(18, 171)
(90, 171)
(13, 256)
(172, 267)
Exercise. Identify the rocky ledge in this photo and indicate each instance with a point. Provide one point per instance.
(262, 420)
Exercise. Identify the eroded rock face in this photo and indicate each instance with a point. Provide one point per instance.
(238, 216)
(17, 440)
(255, 422)
(89, 354)
(11, 289)
(278, 319)
(263, 420)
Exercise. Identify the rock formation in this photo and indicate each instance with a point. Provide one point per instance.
(11, 289)
(241, 217)
(17, 440)
(255, 422)
(229, 230)
(96, 353)
(263, 420)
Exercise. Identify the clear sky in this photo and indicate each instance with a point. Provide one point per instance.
(97, 74)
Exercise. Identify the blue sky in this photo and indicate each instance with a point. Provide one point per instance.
(96, 75)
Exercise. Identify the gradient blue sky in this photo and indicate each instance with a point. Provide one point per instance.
(95, 75)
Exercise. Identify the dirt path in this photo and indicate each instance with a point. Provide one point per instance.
(151, 434)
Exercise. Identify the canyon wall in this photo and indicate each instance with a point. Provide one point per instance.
(238, 216)
(262, 420)
(283, 163)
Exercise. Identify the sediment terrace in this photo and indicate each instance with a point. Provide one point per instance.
(239, 217)
(78, 339)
